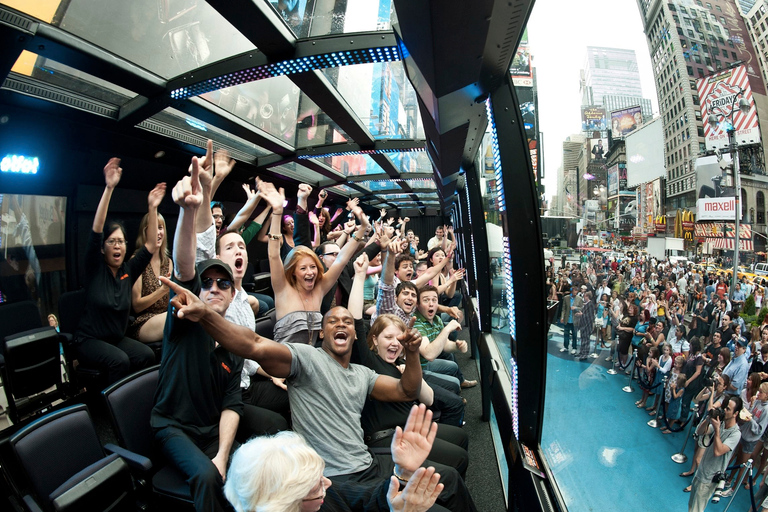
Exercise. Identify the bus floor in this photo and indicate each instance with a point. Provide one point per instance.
(483, 478)
(610, 459)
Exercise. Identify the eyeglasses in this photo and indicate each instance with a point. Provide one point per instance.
(320, 497)
(331, 253)
(223, 284)
(112, 242)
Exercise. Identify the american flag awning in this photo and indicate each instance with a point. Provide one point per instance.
(727, 244)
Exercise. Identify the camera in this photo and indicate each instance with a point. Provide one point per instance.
(719, 479)
(717, 413)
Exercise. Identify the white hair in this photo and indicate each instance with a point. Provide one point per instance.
(272, 473)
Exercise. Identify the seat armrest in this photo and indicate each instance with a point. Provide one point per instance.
(2, 360)
(249, 287)
(31, 504)
(134, 460)
(67, 338)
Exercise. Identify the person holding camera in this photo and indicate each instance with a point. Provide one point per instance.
(711, 471)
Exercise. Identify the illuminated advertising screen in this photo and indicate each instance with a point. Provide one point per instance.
(593, 119)
(521, 68)
(625, 121)
(720, 95)
(715, 196)
(613, 180)
(598, 148)
(627, 212)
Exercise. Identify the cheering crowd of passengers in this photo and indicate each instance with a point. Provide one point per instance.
(360, 357)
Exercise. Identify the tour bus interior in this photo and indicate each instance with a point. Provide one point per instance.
(397, 103)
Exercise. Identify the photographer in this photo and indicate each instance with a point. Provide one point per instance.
(711, 470)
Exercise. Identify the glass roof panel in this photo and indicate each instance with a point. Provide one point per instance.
(382, 185)
(344, 190)
(382, 97)
(248, 150)
(396, 197)
(55, 73)
(353, 165)
(277, 106)
(411, 161)
(298, 172)
(319, 18)
(422, 183)
(167, 38)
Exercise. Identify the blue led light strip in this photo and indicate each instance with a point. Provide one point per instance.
(474, 258)
(515, 414)
(502, 208)
(290, 67)
(361, 152)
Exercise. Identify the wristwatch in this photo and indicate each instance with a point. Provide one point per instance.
(273, 237)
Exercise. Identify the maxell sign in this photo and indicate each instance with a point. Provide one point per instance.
(717, 208)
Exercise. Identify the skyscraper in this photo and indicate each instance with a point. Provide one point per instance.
(611, 79)
(689, 40)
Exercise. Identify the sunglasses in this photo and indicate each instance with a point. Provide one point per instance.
(223, 284)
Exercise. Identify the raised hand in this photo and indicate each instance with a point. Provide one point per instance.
(352, 203)
(361, 264)
(249, 194)
(411, 446)
(407, 220)
(205, 165)
(113, 172)
(349, 227)
(304, 191)
(156, 195)
(275, 198)
(458, 275)
(185, 303)
(222, 163)
(313, 218)
(390, 221)
(188, 193)
(383, 212)
(410, 339)
(419, 494)
(323, 195)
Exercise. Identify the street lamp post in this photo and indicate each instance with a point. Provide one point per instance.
(734, 150)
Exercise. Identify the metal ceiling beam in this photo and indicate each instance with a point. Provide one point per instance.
(56, 44)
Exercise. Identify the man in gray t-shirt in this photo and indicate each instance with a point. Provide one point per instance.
(724, 439)
(329, 391)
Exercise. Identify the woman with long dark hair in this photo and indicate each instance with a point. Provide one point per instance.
(100, 339)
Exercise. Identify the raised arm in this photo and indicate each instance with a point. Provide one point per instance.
(241, 341)
(203, 216)
(156, 196)
(315, 229)
(406, 388)
(431, 272)
(430, 350)
(346, 252)
(274, 198)
(252, 200)
(112, 174)
(356, 300)
(223, 165)
(188, 195)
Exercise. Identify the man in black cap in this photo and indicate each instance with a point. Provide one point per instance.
(198, 402)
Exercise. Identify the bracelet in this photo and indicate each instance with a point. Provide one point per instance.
(352, 236)
(394, 471)
(277, 213)
(273, 237)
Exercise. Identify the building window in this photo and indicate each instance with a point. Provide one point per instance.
(760, 204)
(718, 8)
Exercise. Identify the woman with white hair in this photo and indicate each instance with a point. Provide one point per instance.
(282, 473)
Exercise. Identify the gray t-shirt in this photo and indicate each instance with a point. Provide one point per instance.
(711, 464)
(326, 402)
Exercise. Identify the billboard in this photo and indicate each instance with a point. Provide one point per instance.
(625, 121)
(720, 95)
(593, 119)
(627, 212)
(613, 180)
(645, 154)
(598, 148)
(714, 195)
(520, 69)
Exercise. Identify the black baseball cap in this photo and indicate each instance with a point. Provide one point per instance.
(214, 262)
